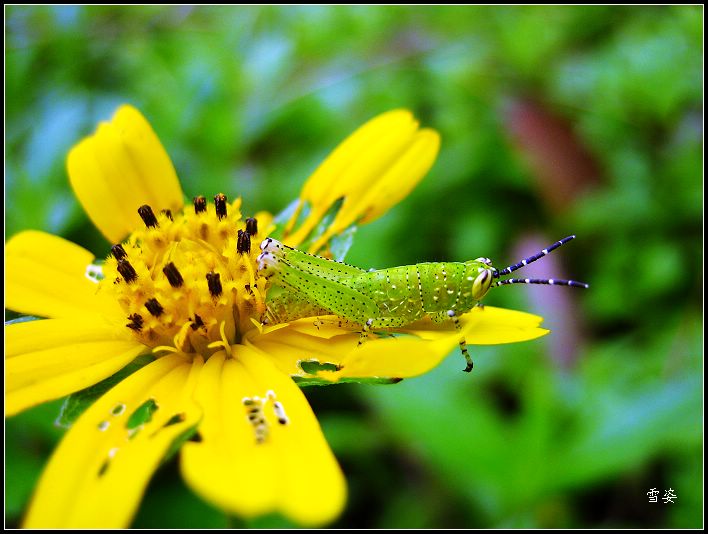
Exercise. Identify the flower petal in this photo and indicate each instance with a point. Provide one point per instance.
(99, 471)
(225, 467)
(373, 169)
(47, 276)
(424, 347)
(48, 359)
(120, 168)
(292, 471)
(394, 185)
(301, 341)
(495, 326)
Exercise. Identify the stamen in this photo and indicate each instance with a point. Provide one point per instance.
(136, 322)
(220, 205)
(165, 348)
(126, 271)
(200, 204)
(214, 283)
(173, 275)
(181, 338)
(244, 242)
(197, 322)
(223, 342)
(152, 273)
(118, 252)
(251, 226)
(148, 217)
(154, 307)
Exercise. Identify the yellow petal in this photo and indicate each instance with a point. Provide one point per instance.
(46, 276)
(292, 471)
(393, 186)
(494, 326)
(311, 498)
(302, 341)
(120, 168)
(400, 178)
(371, 170)
(225, 467)
(48, 359)
(424, 347)
(99, 471)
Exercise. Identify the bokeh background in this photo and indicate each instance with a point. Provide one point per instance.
(554, 120)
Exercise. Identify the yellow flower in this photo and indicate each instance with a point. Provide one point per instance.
(181, 284)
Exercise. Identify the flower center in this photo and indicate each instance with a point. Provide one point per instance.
(189, 280)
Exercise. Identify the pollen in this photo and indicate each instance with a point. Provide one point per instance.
(188, 281)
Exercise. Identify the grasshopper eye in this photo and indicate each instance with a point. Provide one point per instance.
(481, 284)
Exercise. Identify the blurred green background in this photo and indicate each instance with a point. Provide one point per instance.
(554, 120)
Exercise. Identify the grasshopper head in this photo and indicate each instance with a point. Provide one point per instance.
(481, 273)
(272, 252)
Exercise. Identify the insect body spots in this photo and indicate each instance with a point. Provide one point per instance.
(384, 298)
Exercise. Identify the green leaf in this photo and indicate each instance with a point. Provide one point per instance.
(312, 367)
(177, 443)
(324, 223)
(305, 381)
(76, 403)
(142, 414)
(282, 218)
(340, 244)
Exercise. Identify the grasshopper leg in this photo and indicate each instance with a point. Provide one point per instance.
(463, 344)
(365, 332)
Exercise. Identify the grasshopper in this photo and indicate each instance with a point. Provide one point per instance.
(384, 298)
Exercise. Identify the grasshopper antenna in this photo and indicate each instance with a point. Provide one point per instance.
(546, 281)
(531, 259)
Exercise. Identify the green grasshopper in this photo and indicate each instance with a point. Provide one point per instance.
(384, 298)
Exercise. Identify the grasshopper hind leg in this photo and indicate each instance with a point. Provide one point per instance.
(463, 344)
